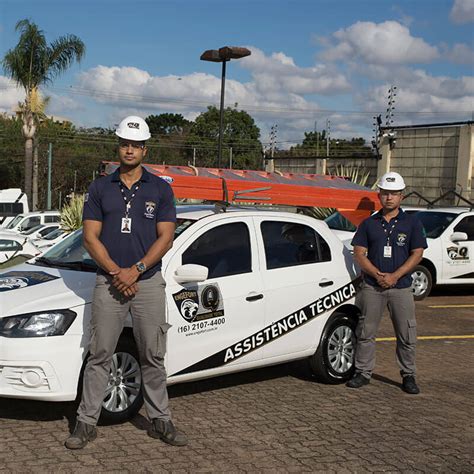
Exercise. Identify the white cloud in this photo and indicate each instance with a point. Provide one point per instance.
(460, 53)
(10, 95)
(462, 11)
(384, 43)
(278, 72)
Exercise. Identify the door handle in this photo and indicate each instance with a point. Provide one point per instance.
(325, 283)
(254, 297)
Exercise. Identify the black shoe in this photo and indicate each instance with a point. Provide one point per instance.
(357, 381)
(409, 385)
(82, 434)
(166, 431)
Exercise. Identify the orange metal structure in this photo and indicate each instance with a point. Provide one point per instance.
(249, 186)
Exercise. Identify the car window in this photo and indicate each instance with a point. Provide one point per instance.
(54, 218)
(288, 244)
(54, 234)
(9, 245)
(8, 209)
(435, 223)
(30, 222)
(15, 222)
(224, 250)
(337, 221)
(467, 226)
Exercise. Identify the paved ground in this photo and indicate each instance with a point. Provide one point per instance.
(280, 420)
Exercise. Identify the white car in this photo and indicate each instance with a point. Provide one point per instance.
(449, 258)
(245, 289)
(24, 222)
(50, 239)
(16, 245)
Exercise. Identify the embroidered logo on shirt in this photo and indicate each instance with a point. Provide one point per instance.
(150, 207)
(401, 239)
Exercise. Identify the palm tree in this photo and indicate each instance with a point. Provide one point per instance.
(33, 63)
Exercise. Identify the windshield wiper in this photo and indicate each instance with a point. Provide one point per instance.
(74, 265)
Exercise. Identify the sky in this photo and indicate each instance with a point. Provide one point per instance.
(312, 61)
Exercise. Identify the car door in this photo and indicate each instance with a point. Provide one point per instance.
(458, 258)
(212, 319)
(298, 269)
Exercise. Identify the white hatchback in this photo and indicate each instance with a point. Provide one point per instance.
(245, 289)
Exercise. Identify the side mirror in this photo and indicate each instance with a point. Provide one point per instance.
(458, 236)
(191, 273)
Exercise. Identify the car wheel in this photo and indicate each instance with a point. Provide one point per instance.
(333, 362)
(422, 282)
(123, 395)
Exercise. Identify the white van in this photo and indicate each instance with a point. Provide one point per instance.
(25, 221)
(13, 201)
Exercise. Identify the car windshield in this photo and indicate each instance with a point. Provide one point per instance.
(337, 221)
(71, 253)
(55, 233)
(33, 229)
(14, 222)
(435, 223)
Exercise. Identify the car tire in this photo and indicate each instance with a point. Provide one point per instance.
(422, 282)
(333, 362)
(124, 393)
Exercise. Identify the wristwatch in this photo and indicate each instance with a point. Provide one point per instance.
(140, 266)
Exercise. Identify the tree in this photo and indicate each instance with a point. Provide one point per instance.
(167, 124)
(33, 63)
(240, 134)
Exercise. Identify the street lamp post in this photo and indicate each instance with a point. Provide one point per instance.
(223, 55)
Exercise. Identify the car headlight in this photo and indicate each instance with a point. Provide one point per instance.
(40, 324)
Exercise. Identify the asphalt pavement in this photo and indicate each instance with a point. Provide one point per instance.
(280, 419)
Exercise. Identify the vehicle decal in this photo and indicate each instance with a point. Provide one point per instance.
(466, 275)
(201, 308)
(15, 280)
(458, 253)
(276, 330)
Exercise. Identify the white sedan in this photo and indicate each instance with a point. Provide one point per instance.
(245, 289)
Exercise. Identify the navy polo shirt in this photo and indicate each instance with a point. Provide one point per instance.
(407, 235)
(153, 203)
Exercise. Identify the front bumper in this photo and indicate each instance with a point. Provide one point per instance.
(43, 368)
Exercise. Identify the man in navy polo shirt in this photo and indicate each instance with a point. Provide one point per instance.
(387, 247)
(128, 225)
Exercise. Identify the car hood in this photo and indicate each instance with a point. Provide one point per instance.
(25, 288)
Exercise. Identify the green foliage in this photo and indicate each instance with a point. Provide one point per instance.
(33, 62)
(71, 213)
(167, 124)
(239, 133)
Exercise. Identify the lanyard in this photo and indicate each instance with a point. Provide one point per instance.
(128, 202)
(388, 232)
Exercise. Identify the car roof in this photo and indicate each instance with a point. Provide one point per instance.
(452, 210)
(36, 213)
(199, 211)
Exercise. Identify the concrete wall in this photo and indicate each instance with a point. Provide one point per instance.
(432, 160)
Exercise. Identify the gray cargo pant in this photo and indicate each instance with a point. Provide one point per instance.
(372, 302)
(109, 311)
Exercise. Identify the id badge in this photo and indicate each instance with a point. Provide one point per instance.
(126, 225)
(387, 251)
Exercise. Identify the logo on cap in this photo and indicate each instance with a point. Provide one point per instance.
(133, 125)
(391, 180)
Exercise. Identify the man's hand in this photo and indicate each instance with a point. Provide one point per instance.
(124, 278)
(387, 280)
(131, 291)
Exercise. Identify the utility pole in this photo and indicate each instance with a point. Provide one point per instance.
(317, 137)
(194, 157)
(391, 106)
(273, 136)
(230, 157)
(50, 164)
(328, 136)
(75, 180)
